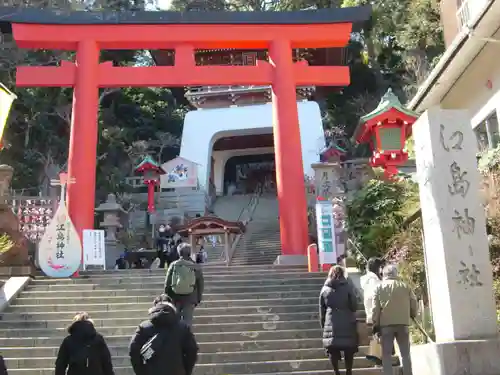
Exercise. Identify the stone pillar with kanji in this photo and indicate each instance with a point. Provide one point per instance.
(459, 272)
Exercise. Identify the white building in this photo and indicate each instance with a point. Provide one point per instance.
(468, 74)
(206, 128)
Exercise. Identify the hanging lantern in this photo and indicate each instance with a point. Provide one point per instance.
(151, 172)
(386, 129)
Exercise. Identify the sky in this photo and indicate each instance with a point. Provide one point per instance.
(163, 4)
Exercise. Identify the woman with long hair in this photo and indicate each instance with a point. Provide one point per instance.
(337, 308)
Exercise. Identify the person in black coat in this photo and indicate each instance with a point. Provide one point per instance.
(83, 351)
(337, 311)
(178, 351)
(3, 367)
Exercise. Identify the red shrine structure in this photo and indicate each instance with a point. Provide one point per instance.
(386, 129)
(278, 33)
(151, 171)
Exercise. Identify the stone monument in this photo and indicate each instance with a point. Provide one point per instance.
(458, 265)
(111, 224)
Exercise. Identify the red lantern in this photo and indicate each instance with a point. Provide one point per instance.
(152, 172)
(386, 129)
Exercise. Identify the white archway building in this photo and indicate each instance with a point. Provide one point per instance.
(203, 127)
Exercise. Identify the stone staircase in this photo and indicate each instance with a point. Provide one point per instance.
(253, 320)
(261, 242)
(259, 245)
(230, 207)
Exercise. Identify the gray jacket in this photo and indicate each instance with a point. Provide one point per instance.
(197, 295)
(394, 303)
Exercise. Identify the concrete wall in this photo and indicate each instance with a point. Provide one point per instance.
(478, 89)
(449, 20)
(203, 127)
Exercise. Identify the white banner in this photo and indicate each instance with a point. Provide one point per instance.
(60, 250)
(326, 233)
(94, 253)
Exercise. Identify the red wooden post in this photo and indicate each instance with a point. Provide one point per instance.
(288, 152)
(83, 138)
(312, 258)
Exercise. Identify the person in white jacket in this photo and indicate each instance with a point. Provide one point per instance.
(369, 283)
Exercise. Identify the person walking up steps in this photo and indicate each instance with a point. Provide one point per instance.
(394, 306)
(184, 283)
(83, 351)
(163, 344)
(337, 313)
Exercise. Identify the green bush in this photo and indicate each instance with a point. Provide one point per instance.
(376, 213)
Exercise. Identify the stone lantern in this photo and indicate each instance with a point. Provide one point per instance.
(111, 223)
(386, 129)
(151, 172)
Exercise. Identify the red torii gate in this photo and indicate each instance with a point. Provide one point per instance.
(89, 33)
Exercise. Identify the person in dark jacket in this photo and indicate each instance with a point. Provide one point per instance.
(178, 351)
(162, 243)
(3, 367)
(337, 311)
(83, 351)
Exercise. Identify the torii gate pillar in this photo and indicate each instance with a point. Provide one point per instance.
(288, 152)
(83, 137)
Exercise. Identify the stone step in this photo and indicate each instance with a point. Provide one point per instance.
(210, 285)
(209, 327)
(129, 371)
(148, 295)
(52, 338)
(257, 256)
(217, 363)
(206, 347)
(90, 306)
(253, 261)
(214, 269)
(160, 278)
(130, 321)
(209, 290)
(141, 313)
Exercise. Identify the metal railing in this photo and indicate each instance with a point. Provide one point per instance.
(245, 217)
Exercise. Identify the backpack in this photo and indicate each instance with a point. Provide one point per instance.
(183, 278)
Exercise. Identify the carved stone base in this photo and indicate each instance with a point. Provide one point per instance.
(473, 357)
(9, 225)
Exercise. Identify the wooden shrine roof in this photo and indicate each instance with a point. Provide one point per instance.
(355, 15)
(206, 224)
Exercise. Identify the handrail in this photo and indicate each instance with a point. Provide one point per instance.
(356, 248)
(422, 330)
(250, 209)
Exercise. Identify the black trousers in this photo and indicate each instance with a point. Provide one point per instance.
(163, 258)
(335, 355)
